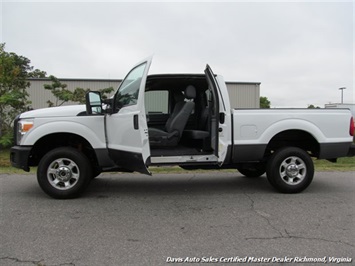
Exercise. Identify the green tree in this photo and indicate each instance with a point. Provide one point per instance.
(59, 90)
(264, 102)
(106, 92)
(79, 94)
(37, 74)
(14, 72)
(311, 106)
(63, 94)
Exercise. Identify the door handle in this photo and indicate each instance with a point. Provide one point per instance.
(135, 122)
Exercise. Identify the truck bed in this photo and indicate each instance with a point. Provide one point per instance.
(254, 130)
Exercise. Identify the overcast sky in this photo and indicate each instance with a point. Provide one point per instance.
(301, 52)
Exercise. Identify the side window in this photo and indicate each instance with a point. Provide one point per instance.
(156, 102)
(128, 92)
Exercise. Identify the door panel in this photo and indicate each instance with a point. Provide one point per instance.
(219, 128)
(126, 127)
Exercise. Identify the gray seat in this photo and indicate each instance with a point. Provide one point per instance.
(176, 123)
(202, 131)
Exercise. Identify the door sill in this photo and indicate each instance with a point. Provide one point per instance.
(183, 159)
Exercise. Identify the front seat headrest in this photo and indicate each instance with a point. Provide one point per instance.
(190, 92)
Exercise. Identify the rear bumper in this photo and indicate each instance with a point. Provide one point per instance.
(351, 152)
(19, 157)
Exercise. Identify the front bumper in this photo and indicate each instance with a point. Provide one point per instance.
(351, 152)
(19, 157)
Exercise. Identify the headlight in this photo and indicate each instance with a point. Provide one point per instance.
(23, 126)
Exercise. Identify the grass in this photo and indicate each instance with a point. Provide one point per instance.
(5, 165)
(4, 158)
(343, 164)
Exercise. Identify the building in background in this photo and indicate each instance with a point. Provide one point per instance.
(39, 96)
(242, 94)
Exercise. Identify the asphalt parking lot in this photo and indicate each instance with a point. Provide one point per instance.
(210, 218)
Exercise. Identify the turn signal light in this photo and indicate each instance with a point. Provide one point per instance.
(26, 127)
(23, 126)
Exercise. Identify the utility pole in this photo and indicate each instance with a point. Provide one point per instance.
(342, 93)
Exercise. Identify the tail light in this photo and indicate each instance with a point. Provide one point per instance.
(352, 126)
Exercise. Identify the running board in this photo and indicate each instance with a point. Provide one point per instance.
(183, 159)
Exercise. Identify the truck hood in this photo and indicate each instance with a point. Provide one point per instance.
(61, 111)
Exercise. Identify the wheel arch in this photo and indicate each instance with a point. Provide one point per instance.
(294, 138)
(62, 139)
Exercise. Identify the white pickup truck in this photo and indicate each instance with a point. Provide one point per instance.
(188, 121)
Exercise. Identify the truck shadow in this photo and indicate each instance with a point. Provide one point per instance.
(116, 185)
(211, 183)
(108, 185)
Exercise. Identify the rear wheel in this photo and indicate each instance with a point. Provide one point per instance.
(290, 170)
(64, 173)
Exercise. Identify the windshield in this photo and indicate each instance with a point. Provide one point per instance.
(128, 92)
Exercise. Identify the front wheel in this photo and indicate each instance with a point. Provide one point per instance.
(64, 173)
(290, 170)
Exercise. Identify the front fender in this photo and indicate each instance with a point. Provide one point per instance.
(91, 128)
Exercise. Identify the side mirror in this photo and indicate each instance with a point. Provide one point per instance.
(93, 103)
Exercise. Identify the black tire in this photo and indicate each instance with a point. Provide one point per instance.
(290, 170)
(64, 173)
(252, 170)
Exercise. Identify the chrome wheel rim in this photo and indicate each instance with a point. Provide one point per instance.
(293, 170)
(63, 173)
